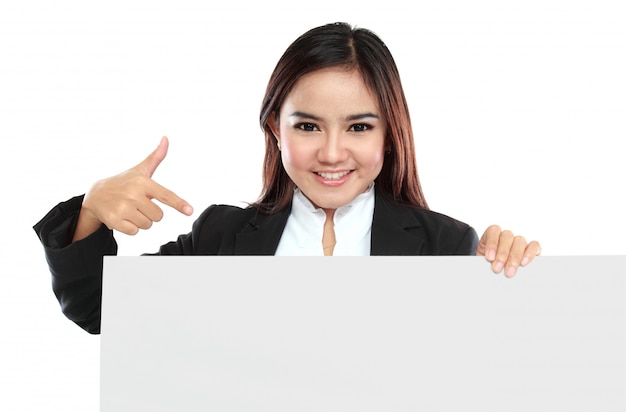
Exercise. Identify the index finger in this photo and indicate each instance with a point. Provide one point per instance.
(169, 198)
(488, 244)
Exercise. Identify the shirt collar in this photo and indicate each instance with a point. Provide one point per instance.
(301, 204)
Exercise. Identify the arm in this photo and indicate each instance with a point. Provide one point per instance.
(76, 234)
(76, 268)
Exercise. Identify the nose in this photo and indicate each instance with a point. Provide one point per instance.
(333, 149)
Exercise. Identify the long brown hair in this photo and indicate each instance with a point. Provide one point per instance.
(331, 45)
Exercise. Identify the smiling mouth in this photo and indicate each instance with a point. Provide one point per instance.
(333, 176)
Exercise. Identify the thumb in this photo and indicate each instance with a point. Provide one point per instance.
(154, 159)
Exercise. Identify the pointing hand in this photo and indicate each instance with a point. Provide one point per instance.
(125, 202)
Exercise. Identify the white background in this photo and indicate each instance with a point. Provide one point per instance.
(518, 109)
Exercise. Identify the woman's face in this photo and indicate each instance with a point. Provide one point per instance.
(331, 134)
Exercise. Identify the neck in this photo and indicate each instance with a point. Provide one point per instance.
(328, 238)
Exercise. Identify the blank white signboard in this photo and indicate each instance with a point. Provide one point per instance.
(362, 334)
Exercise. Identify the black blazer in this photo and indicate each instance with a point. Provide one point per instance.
(76, 268)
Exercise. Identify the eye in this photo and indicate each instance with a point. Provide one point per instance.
(360, 127)
(307, 127)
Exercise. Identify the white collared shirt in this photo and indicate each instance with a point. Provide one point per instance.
(305, 227)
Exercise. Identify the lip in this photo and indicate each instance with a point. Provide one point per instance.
(333, 178)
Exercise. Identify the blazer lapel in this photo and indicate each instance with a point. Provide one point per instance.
(262, 234)
(393, 230)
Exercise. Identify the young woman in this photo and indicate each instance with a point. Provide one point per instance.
(339, 178)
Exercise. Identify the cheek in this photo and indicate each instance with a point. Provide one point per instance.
(379, 164)
(375, 159)
(292, 156)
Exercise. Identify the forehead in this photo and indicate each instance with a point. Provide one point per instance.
(330, 89)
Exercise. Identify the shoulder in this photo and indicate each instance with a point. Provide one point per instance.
(454, 236)
(212, 233)
(407, 215)
(432, 233)
(228, 230)
(438, 221)
(227, 214)
(224, 219)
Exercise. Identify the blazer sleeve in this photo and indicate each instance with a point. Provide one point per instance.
(76, 268)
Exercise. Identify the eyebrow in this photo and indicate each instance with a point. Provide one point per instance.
(352, 117)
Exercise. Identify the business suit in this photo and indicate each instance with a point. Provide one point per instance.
(227, 230)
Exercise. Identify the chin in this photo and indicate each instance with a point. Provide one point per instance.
(333, 203)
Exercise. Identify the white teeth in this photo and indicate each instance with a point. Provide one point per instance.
(333, 176)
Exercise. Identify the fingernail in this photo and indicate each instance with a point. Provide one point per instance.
(188, 210)
(498, 267)
(525, 261)
(491, 255)
(510, 272)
